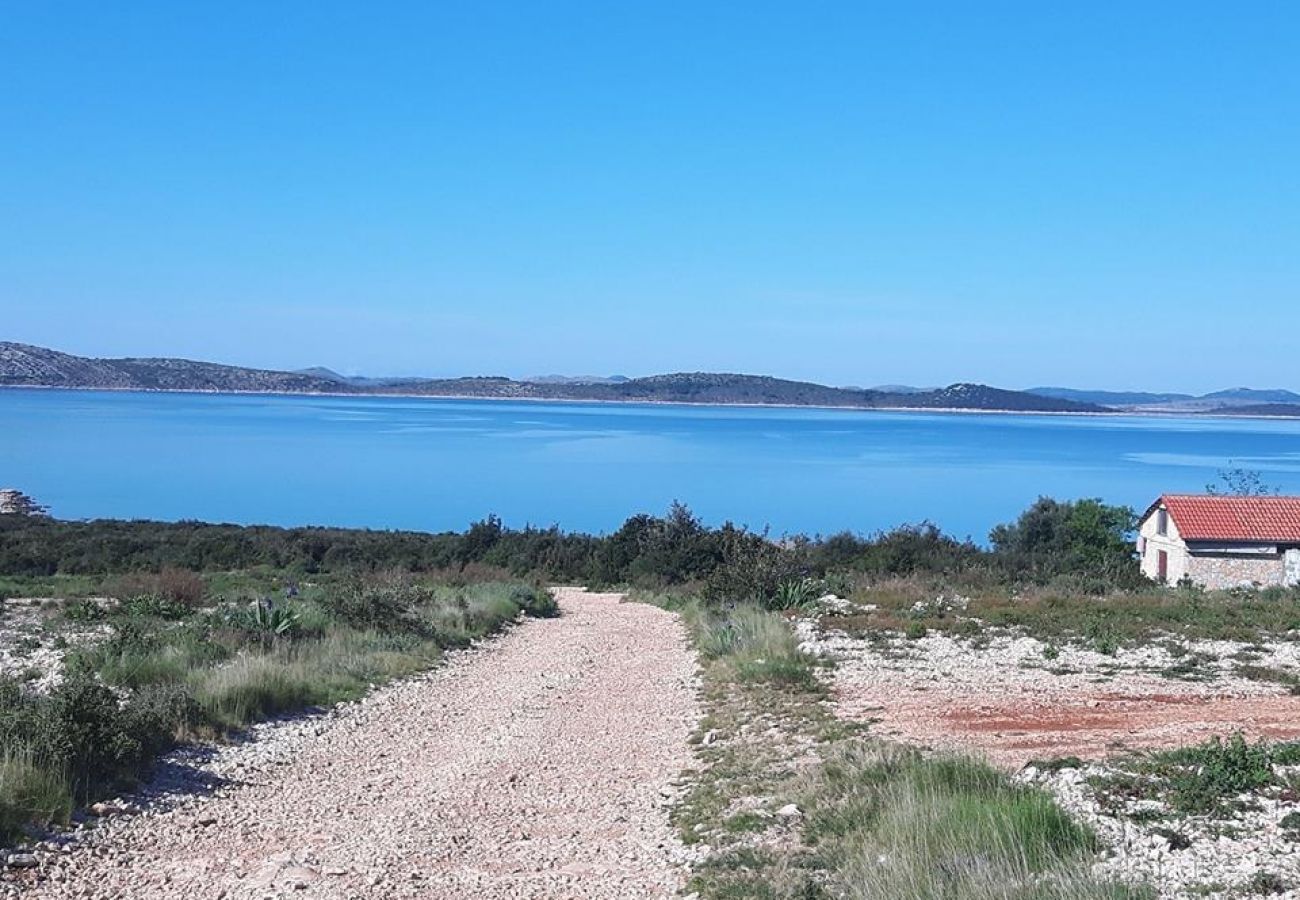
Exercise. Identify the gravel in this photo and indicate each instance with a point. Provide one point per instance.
(1014, 698)
(30, 653)
(540, 766)
(1214, 855)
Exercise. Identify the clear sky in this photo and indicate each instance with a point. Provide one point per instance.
(1104, 195)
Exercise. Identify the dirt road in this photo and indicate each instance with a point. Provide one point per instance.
(536, 767)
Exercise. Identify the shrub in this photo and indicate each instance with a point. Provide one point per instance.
(157, 606)
(535, 600)
(1083, 538)
(381, 603)
(181, 586)
(85, 611)
(178, 586)
(82, 730)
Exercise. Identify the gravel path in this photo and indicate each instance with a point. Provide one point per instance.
(537, 767)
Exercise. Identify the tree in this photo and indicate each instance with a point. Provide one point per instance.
(1242, 483)
(1077, 537)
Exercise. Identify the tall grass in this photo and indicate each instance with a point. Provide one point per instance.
(755, 644)
(890, 822)
(31, 793)
(340, 666)
(186, 671)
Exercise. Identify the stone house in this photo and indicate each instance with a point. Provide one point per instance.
(1220, 541)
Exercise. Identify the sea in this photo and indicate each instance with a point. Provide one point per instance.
(436, 465)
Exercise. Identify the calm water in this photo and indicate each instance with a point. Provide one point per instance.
(439, 464)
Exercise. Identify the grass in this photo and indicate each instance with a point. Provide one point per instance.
(191, 665)
(1060, 615)
(754, 645)
(1206, 779)
(341, 666)
(30, 793)
(876, 820)
(890, 822)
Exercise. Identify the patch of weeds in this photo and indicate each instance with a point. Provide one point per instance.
(155, 606)
(745, 821)
(1062, 670)
(1056, 764)
(85, 612)
(1103, 638)
(1191, 666)
(1208, 778)
(1177, 840)
(1289, 680)
(970, 629)
(915, 631)
(1051, 652)
(1116, 790)
(1265, 883)
(27, 644)
(1290, 825)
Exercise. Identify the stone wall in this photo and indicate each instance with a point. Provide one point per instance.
(1225, 570)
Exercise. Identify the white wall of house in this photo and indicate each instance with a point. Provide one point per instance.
(1152, 542)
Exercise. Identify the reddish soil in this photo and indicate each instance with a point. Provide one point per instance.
(1088, 725)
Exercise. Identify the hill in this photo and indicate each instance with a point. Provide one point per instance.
(1252, 395)
(1280, 410)
(26, 365)
(1226, 401)
(1109, 398)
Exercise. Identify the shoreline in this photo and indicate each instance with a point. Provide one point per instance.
(942, 410)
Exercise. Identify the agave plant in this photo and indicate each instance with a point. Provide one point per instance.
(796, 593)
(270, 620)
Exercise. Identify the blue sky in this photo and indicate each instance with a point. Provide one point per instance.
(854, 193)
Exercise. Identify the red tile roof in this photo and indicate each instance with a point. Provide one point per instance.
(1220, 517)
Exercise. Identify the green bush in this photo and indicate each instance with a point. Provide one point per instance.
(535, 600)
(155, 605)
(82, 731)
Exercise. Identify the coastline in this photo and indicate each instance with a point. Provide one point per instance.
(943, 410)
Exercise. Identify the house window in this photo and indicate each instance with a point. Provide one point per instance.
(1162, 521)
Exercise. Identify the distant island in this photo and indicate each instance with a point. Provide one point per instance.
(25, 365)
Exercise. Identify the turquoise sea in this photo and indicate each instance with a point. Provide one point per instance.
(439, 464)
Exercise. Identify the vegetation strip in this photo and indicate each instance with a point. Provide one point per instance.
(793, 802)
(173, 666)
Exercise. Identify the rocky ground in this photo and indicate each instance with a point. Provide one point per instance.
(1241, 851)
(1015, 700)
(31, 653)
(540, 767)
